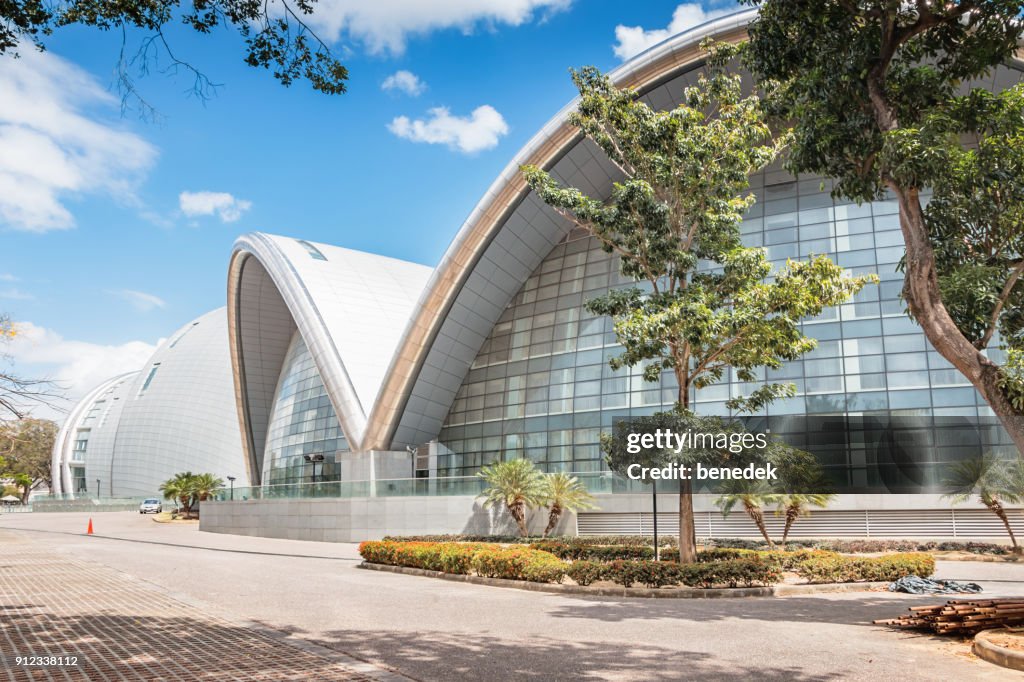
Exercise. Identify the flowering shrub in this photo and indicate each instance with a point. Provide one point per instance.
(575, 551)
(841, 569)
(518, 563)
(449, 557)
(585, 572)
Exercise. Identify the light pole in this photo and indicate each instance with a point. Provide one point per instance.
(97, 488)
(231, 481)
(313, 459)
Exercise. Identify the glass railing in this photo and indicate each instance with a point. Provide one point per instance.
(596, 483)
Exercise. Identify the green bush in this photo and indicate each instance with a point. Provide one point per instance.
(746, 571)
(586, 572)
(574, 550)
(611, 540)
(841, 569)
(649, 573)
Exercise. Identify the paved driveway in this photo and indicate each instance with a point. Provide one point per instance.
(439, 630)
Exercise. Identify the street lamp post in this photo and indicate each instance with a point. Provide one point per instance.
(231, 481)
(97, 488)
(313, 459)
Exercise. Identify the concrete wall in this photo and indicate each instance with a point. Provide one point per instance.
(358, 519)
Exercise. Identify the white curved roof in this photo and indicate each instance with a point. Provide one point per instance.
(350, 307)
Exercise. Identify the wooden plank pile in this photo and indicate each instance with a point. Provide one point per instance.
(961, 616)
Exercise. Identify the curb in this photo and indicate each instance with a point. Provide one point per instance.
(993, 653)
(643, 592)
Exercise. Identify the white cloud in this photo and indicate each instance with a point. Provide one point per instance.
(227, 207)
(16, 294)
(51, 150)
(76, 366)
(404, 81)
(139, 300)
(385, 26)
(7, 277)
(632, 40)
(479, 131)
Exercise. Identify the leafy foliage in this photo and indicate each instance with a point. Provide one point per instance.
(26, 446)
(275, 34)
(518, 485)
(564, 492)
(874, 92)
(704, 302)
(994, 482)
(188, 489)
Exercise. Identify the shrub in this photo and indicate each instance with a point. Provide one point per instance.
(747, 571)
(840, 569)
(574, 550)
(446, 557)
(649, 573)
(586, 572)
(518, 563)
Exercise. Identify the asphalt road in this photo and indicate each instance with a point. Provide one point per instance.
(439, 630)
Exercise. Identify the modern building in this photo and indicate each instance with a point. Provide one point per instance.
(137, 430)
(400, 381)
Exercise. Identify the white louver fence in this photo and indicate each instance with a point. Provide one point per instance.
(963, 524)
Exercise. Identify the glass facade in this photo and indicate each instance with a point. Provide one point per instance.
(541, 386)
(302, 422)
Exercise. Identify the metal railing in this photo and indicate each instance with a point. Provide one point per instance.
(596, 483)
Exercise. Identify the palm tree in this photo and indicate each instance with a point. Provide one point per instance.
(180, 488)
(795, 505)
(752, 495)
(205, 486)
(562, 493)
(993, 481)
(517, 484)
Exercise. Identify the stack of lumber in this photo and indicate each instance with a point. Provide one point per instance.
(962, 616)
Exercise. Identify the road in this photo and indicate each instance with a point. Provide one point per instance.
(440, 630)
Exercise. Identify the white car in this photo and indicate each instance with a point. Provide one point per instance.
(151, 506)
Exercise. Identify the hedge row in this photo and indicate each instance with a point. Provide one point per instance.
(843, 569)
(731, 573)
(488, 560)
(868, 546)
(575, 551)
(587, 541)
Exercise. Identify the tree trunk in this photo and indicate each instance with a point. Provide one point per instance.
(519, 514)
(921, 291)
(998, 510)
(553, 516)
(755, 514)
(687, 528)
(792, 512)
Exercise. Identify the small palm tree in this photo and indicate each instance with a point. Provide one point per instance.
(993, 481)
(564, 493)
(795, 505)
(181, 489)
(517, 484)
(752, 495)
(172, 490)
(205, 486)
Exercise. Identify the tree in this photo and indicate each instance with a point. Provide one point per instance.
(204, 486)
(181, 489)
(516, 484)
(17, 393)
(24, 483)
(993, 481)
(26, 446)
(752, 495)
(795, 505)
(705, 302)
(563, 492)
(870, 88)
(275, 34)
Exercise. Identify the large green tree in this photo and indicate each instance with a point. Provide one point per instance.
(704, 303)
(26, 446)
(275, 34)
(874, 90)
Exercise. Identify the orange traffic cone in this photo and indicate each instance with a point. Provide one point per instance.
(89, 532)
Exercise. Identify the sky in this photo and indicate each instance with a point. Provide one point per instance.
(116, 227)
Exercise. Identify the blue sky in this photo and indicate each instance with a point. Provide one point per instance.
(114, 230)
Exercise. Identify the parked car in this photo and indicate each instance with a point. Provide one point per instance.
(151, 506)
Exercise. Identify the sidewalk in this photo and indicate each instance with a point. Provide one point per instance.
(120, 628)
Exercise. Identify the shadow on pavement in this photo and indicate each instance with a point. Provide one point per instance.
(461, 656)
